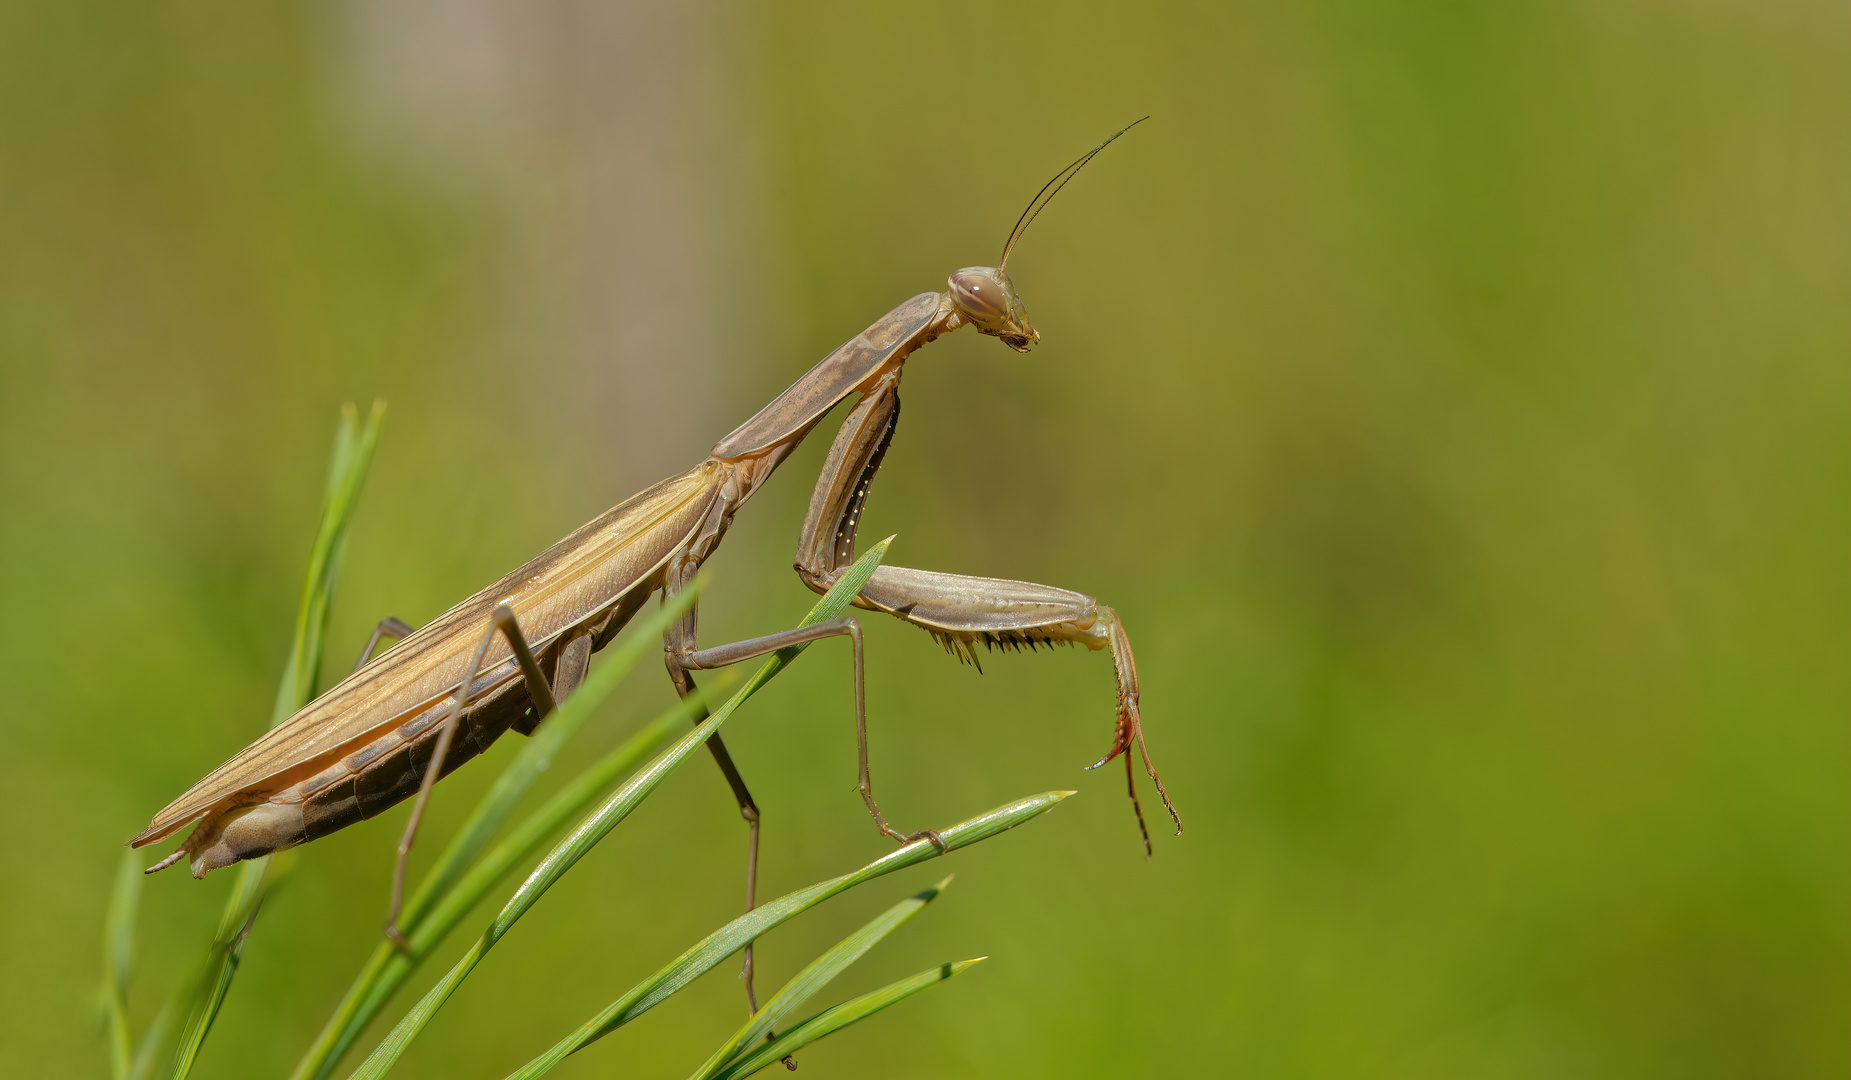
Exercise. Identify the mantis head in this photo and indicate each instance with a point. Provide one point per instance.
(986, 299)
(985, 296)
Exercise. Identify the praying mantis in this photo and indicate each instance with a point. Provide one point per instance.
(504, 657)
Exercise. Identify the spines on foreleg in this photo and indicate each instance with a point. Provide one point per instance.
(963, 643)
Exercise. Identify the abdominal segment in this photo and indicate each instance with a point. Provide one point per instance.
(366, 781)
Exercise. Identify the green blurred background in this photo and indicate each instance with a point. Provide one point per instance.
(1451, 395)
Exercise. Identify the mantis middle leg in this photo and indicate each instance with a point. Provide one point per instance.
(683, 657)
(503, 622)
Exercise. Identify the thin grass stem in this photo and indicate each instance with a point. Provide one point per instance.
(815, 975)
(853, 1011)
(749, 927)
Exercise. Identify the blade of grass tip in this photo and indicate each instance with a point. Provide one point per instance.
(830, 1021)
(816, 975)
(118, 961)
(351, 457)
(601, 821)
(732, 937)
(347, 469)
(388, 968)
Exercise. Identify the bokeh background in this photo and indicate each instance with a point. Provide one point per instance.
(1452, 395)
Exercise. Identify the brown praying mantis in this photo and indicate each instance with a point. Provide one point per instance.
(502, 658)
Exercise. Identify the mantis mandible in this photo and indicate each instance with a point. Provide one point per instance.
(503, 657)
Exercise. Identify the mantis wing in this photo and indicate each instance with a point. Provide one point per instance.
(569, 585)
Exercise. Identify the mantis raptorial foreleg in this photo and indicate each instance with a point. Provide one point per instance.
(961, 612)
(540, 692)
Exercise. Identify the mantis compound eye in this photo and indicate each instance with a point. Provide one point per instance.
(985, 296)
(978, 294)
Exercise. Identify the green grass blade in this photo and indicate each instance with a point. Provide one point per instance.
(228, 950)
(830, 1021)
(352, 456)
(220, 967)
(388, 968)
(753, 924)
(815, 976)
(601, 821)
(118, 961)
(347, 469)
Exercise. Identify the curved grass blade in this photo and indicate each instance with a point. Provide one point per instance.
(815, 976)
(830, 1021)
(732, 937)
(387, 969)
(347, 468)
(601, 821)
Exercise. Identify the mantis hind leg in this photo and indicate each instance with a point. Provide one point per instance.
(748, 809)
(678, 645)
(502, 621)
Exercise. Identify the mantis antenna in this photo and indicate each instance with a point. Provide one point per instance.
(1038, 204)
